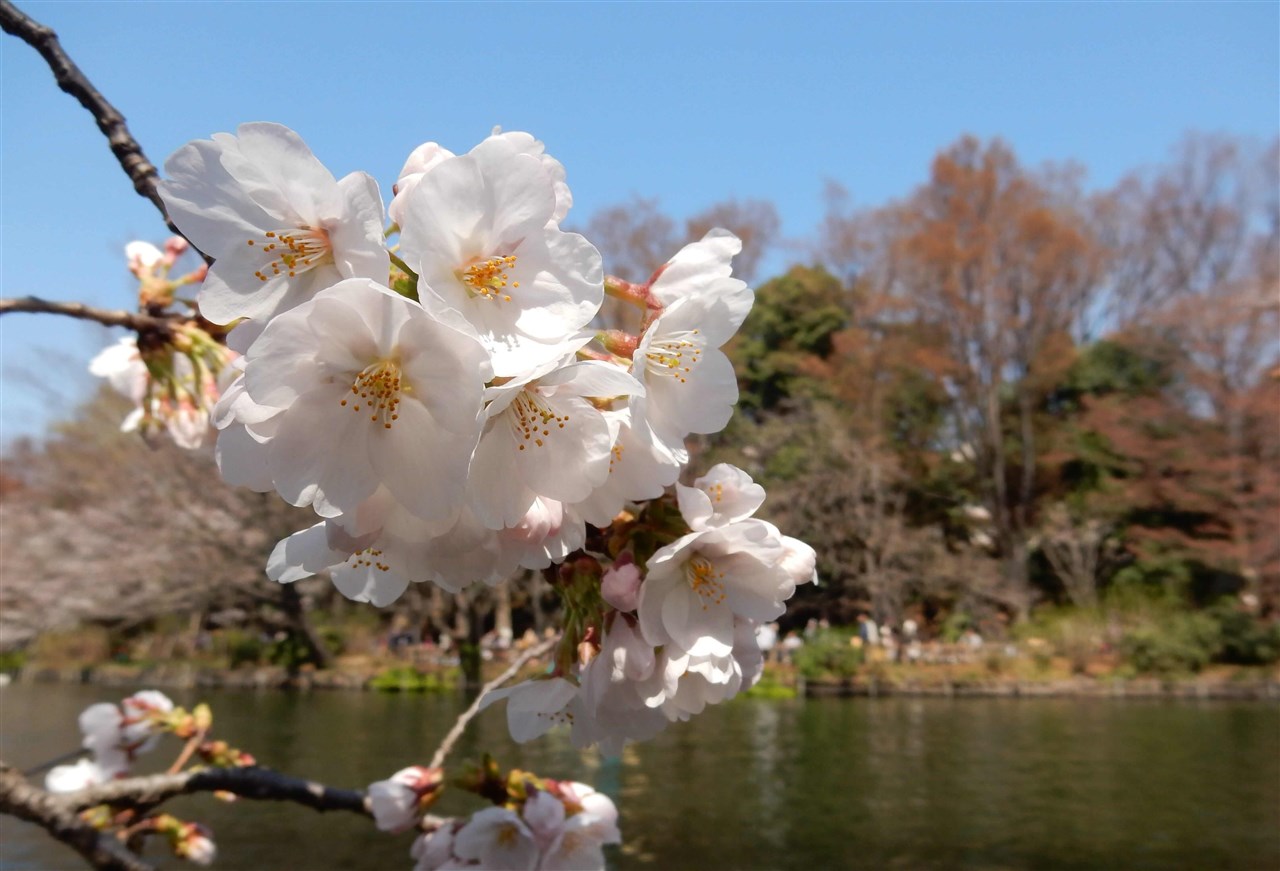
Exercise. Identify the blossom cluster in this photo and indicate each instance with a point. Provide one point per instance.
(565, 827)
(440, 403)
(175, 376)
(543, 824)
(679, 635)
(451, 410)
(114, 735)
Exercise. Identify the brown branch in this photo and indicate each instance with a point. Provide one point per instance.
(460, 726)
(26, 802)
(70, 79)
(111, 318)
(260, 784)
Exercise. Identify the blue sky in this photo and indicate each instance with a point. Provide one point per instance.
(687, 102)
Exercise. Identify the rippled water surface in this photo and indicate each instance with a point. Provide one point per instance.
(804, 784)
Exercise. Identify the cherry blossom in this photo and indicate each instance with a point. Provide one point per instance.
(83, 774)
(724, 495)
(196, 845)
(373, 391)
(534, 706)
(394, 801)
(690, 385)
(620, 585)
(545, 438)
(498, 839)
(121, 364)
(416, 165)
(477, 230)
(640, 466)
(279, 226)
(697, 585)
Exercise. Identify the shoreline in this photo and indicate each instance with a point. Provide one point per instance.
(942, 685)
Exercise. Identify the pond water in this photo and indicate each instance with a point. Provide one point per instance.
(792, 784)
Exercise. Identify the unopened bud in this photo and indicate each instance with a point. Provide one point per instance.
(620, 586)
(175, 247)
(203, 717)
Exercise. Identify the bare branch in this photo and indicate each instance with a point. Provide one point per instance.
(106, 317)
(257, 783)
(70, 79)
(60, 819)
(460, 726)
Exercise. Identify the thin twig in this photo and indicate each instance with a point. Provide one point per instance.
(107, 317)
(70, 79)
(187, 751)
(57, 760)
(460, 726)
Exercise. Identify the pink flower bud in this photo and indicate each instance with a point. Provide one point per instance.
(621, 586)
(174, 247)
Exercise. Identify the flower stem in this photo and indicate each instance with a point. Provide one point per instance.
(402, 266)
(636, 294)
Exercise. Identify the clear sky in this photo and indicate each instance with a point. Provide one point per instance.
(687, 102)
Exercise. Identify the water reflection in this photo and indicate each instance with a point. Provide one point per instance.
(886, 782)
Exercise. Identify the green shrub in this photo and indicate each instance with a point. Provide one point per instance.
(291, 652)
(243, 648)
(1078, 634)
(829, 655)
(12, 660)
(954, 626)
(407, 679)
(1180, 643)
(769, 687)
(1245, 639)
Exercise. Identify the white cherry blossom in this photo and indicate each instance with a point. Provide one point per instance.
(699, 267)
(373, 391)
(82, 775)
(476, 230)
(498, 839)
(394, 801)
(640, 465)
(121, 364)
(278, 225)
(690, 385)
(724, 495)
(580, 844)
(544, 438)
(534, 706)
(198, 847)
(419, 163)
(696, 586)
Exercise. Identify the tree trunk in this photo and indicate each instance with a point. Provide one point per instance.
(291, 604)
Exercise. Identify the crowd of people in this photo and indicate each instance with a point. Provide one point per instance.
(882, 642)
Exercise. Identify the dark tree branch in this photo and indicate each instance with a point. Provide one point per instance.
(70, 79)
(261, 784)
(111, 318)
(61, 820)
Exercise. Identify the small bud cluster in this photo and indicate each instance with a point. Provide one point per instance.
(535, 822)
(115, 735)
(173, 375)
